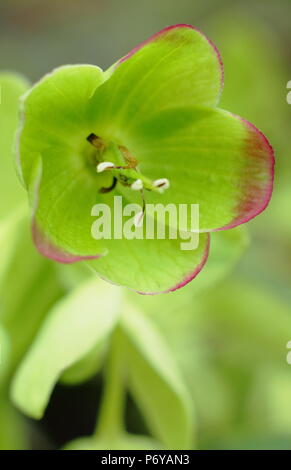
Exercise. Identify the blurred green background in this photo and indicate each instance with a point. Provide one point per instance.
(229, 336)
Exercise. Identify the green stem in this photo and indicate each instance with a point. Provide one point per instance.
(110, 421)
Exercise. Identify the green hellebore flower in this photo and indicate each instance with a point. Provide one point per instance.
(153, 117)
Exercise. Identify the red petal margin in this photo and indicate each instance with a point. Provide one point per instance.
(256, 196)
(166, 30)
(189, 277)
(47, 249)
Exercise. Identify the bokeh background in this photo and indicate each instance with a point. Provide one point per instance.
(229, 337)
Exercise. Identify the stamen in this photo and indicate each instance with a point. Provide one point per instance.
(110, 188)
(104, 166)
(137, 185)
(130, 160)
(138, 219)
(125, 168)
(161, 184)
(96, 141)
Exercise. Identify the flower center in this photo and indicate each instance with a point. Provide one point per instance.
(124, 167)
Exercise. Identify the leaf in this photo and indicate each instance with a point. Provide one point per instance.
(4, 353)
(269, 401)
(12, 86)
(250, 50)
(155, 382)
(255, 321)
(71, 275)
(13, 432)
(227, 247)
(86, 367)
(8, 239)
(37, 287)
(73, 327)
(123, 442)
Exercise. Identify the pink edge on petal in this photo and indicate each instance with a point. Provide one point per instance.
(47, 249)
(164, 31)
(189, 277)
(256, 196)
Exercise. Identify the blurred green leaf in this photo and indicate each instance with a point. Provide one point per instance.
(9, 234)
(71, 275)
(269, 405)
(72, 328)
(124, 442)
(12, 428)
(28, 285)
(12, 86)
(226, 248)
(256, 76)
(257, 324)
(155, 382)
(4, 352)
(279, 210)
(249, 441)
(87, 367)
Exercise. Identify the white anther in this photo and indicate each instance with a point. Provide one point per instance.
(138, 219)
(104, 166)
(161, 184)
(137, 185)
